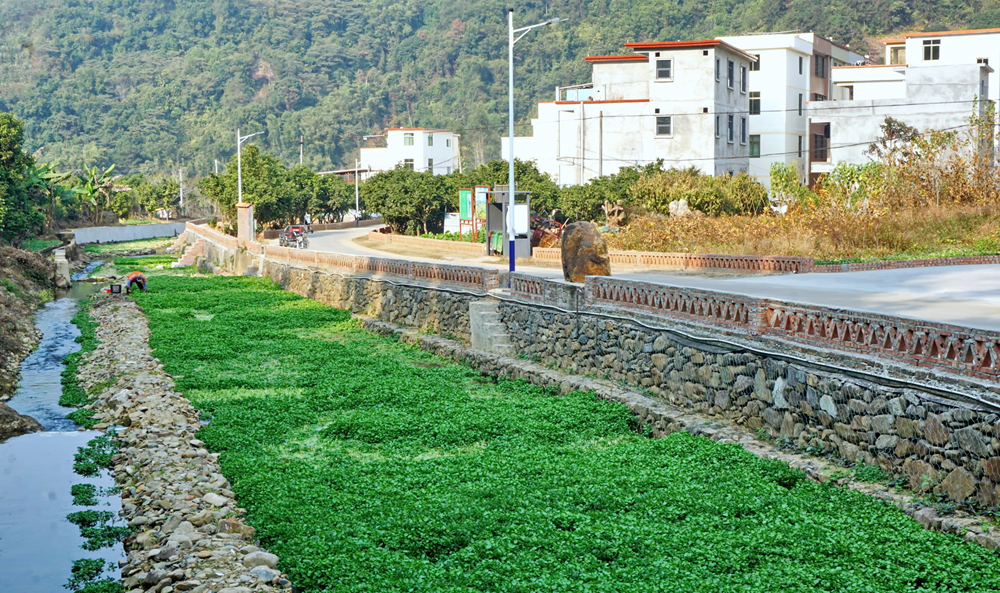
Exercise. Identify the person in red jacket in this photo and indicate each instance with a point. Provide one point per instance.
(136, 278)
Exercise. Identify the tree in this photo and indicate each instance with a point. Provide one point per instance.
(19, 216)
(409, 202)
(97, 190)
(265, 181)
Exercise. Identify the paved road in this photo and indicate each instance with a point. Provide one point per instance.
(960, 295)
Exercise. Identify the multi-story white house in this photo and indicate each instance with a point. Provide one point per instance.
(930, 81)
(686, 102)
(791, 71)
(418, 149)
(947, 48)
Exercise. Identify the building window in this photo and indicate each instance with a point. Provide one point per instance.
(755, 65)
(800, 64)
(743, 79)
(718, 134)
(664, 69)
(743, 130)
(800, 103)
(985, 61)
(447, 170)
(897, 56)
(408, 163)
(430, 139)
(730, 131)
(731, 74)
(754, 102)
(664, 126)
(755, 146)
(800, 147)
(818, 97)
(932, 50)
(822, 64)
(430, 165)
(408, 139)
(820, 146)
(447, 143)
(718, 69)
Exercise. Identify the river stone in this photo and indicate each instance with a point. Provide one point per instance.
(13, 424)
(935, 431)
(972, 441)
(959, 485)
(921, 473)
(882, 423)
(171, 523)
(887, 441)
(584, 252)
(778, 394)
(260, 559)
(826, 404)
(991, 467)
(215, 499)
(742, 384)
(184, 528)
(772, 417)
(236, 590)
(263, 573)
(848, 451)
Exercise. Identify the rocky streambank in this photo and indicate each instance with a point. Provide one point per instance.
(189, 534)
(23, 278)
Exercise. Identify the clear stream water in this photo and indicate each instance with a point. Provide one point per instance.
(37, 544)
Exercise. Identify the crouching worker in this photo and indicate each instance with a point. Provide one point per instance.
(135, 278)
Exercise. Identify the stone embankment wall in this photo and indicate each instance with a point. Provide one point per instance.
(935, 442)
(430, 297)
(23, 276)
(188, 531)
(917, 400)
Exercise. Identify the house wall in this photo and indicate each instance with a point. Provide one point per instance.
(937, 97)
(395, 152)
(963, 48)
(575, 141)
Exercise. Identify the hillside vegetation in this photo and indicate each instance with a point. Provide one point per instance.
(155, 85)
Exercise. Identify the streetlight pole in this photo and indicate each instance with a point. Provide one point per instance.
(511, 40)
(239, 164)
(357, 202)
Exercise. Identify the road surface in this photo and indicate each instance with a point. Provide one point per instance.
(959, 295)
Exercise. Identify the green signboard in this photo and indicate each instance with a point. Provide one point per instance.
(465, 204)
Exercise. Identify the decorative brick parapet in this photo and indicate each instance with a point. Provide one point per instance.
(483, 279)
(696, 261)
(953, 349)
(908, 263)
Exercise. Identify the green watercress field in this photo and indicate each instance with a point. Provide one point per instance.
(369, 465)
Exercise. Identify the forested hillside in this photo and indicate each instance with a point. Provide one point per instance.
(152, 85)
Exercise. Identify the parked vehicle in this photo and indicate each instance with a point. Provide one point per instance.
(294, 236)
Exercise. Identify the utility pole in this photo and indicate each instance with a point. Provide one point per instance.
(357, 201)
(216, 166)
(180, 173)
(302, 140)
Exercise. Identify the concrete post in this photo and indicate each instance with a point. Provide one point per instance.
(63, 277)
(244, 221)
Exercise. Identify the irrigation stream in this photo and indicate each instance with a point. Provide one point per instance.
(37, 544)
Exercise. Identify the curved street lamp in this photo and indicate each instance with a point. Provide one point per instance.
(510, 122)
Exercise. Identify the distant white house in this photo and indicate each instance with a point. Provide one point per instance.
(947, 48)
(417, 149)
(791, 71)
(931, 81)
(685, 102)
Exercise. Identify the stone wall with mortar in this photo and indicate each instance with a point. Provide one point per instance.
(938, 444)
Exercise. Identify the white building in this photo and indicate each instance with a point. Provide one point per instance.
(791, 71)
(925, 94)
(947, 48)
(418, 149)
(685, 102)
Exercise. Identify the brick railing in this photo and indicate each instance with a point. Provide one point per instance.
(966, 351)
(460, 246)
(695, 261)
(972, 260)
(464, 276)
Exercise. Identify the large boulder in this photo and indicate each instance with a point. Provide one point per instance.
(584, 252)
(13, 424)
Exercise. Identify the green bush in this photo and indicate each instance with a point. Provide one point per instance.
(725, 194)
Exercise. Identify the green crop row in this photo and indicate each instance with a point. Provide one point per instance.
(369, 465)
(72, 394)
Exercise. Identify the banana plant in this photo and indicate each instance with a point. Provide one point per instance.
(45, 185)
(96, 189)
